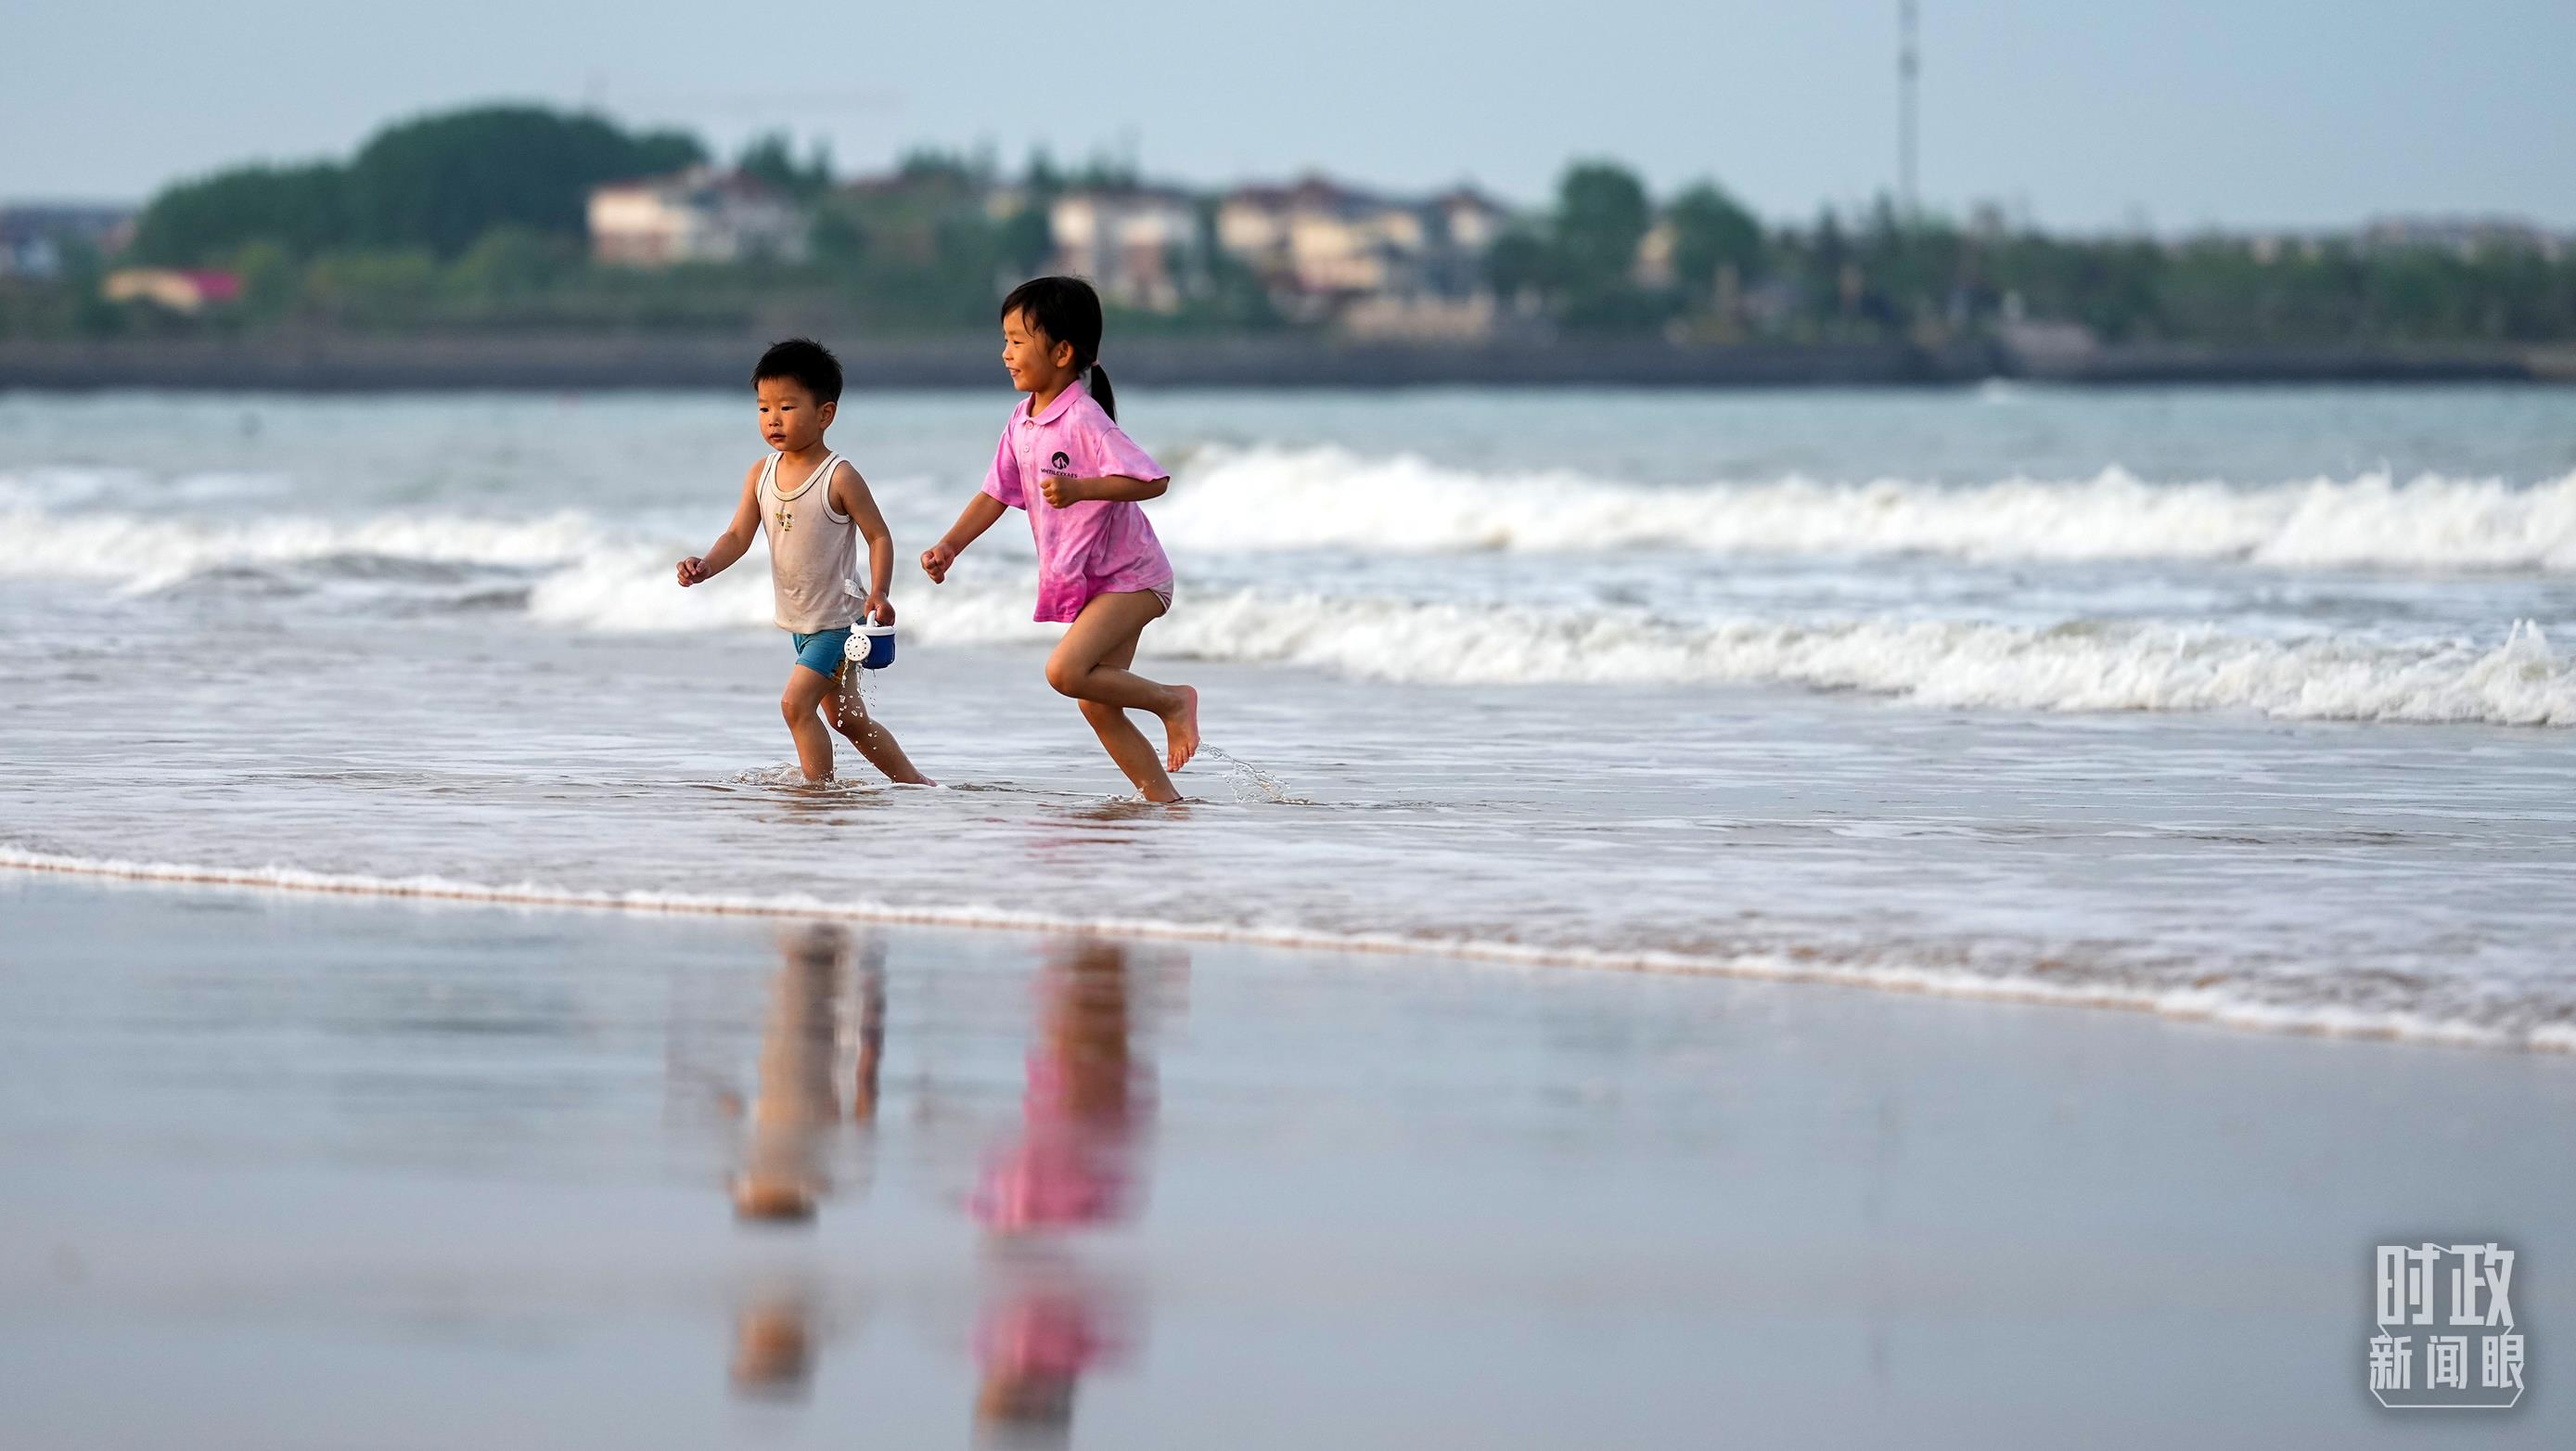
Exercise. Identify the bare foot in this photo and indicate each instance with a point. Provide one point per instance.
(1182, 727)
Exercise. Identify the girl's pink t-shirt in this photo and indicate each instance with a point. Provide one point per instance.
(1097, 546)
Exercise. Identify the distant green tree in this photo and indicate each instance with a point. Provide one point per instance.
(272, 280)
(929, 163)
(1520, 263)
(1027, 240)
(91, 314)
(442, 181)
(374, 290)
(839, 238)
(772, 158)
(1104, 172)
(1712, 230)
(303, 209)
(1042, 177)
(1601, 215)
(512, 263)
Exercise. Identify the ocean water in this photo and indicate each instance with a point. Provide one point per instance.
(2253, 706)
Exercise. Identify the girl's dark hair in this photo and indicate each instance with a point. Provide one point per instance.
(802, 361)
(1067, 311)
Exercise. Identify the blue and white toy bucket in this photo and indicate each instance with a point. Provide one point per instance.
(871, 645)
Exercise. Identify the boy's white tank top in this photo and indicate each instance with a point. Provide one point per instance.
(813, 551)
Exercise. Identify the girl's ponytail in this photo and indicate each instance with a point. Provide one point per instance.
(1067, 311)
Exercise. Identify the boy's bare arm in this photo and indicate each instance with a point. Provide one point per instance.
(979, 515)
(850, 492)
(733, 542)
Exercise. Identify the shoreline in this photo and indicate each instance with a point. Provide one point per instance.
(1781, 969)
(358, 364)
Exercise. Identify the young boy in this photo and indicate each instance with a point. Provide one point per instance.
(813, 506)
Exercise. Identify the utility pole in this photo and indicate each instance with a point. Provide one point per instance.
(1909, 69)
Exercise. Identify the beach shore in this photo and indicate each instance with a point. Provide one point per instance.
(359, 363)
(280, 1170)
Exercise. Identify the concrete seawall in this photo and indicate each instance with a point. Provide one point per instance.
(358, 364)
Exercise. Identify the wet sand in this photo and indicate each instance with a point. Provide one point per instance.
(280, 1171)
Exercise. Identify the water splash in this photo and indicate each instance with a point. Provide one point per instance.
(859, 685)
(1249, 782)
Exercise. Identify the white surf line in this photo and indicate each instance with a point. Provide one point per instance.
(2187, 1005)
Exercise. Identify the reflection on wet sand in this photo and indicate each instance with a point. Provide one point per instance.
(1047, 1326)
(773, 1348)
(798, 1103)
(1072, 1165)
(821, 983)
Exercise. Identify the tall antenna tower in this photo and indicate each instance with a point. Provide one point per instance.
(1909, 70)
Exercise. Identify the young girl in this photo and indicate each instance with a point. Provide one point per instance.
(1099, 566)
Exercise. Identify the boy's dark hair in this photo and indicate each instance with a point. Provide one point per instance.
(1067, 311)
(804, 362)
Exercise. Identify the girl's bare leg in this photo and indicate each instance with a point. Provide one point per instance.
(850, 718)
(1090, 664)
(1126, 744)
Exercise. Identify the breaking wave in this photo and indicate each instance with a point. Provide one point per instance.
(2081, 666)
(1280, 498)
(142, 552)
(558, 571)
(2512, 678)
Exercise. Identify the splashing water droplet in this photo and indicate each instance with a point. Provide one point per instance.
(1249, 782)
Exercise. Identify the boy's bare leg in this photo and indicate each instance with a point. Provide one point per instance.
(806, 688)
(1126, 744)
(1082, 668)
(874, 741)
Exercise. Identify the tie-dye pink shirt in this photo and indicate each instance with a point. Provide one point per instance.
(1097, 546)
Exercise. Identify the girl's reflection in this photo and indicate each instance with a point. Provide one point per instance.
(1072, 1165)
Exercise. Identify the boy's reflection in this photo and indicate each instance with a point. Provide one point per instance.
(798, 1103)
(1072, 1165)
(792, 1116)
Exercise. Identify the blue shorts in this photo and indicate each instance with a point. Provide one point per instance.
(823, 651)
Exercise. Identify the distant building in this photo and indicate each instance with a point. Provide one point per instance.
(35, 240)
(1141, 246)
(1321, 248)
(699, 215)
(188, 290)
(1317, 240)
(1655, 265)
(1472, 219)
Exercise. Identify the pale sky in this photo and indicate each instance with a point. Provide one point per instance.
(2083, 113)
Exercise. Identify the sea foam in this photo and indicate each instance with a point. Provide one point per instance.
(1316, 498)
(2296, 1001)
(572, 572)
(2514, 679)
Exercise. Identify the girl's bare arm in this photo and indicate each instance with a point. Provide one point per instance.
(980, 514)
(1060, 490)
